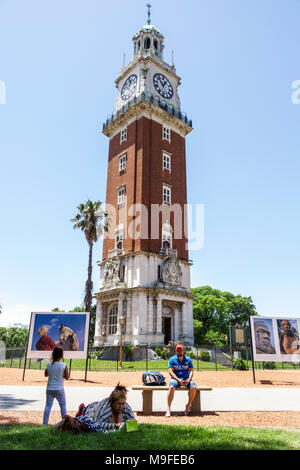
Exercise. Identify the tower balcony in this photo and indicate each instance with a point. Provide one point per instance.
(169, 252)
(115, 252)
(152, 99)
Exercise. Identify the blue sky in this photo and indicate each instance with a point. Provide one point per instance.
(237, 59)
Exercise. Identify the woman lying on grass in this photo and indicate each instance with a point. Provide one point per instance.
(106, 415)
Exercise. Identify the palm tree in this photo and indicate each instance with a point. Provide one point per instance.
(92, 220)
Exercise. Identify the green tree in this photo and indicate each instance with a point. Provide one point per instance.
(217, 310)
(92, 220)
(215, 337)
(77, 309)
(14, 337)
(198, 326)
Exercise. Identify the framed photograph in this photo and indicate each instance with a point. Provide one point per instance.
(239, 336)
(288, 337)
(275, 339)
(50, 329)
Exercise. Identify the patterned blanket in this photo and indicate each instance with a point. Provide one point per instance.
(97, 416)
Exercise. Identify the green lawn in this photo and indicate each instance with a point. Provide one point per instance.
(103, 365)
(98, 365)
(150, 437)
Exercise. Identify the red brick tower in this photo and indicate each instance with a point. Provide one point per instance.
(145, 271)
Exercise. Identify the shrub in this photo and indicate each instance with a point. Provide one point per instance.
(269, 365)
(239, 364)
(158, 351)
(165, 353)
(204, 356)
(97, 354)
(191, 354)
(128, 348)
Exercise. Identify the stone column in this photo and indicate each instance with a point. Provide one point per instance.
(129, 319)
(135, 318)
(159, 336)
(180, 326)
(184, 320)
(159, 315)
(176, 322)
(154, 323)
(152, 44)
(100, 335)
(120, 312)
(150, 315)
(125, 313)
(187, 322)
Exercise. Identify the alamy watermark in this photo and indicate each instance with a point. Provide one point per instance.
(296, 93)
(165, 221)
(2, 92)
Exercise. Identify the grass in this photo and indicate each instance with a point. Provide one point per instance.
(150, 437)
(98, 365)
(135, 366)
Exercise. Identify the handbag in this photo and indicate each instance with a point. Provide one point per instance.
(68, 423)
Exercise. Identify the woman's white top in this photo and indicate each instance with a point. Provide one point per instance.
(56, 375)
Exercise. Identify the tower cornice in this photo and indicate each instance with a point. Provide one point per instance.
(114, 293)
(101, 264)
(143, 105)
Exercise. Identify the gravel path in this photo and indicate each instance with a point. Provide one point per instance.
(232, 379)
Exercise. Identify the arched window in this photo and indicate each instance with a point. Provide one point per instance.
(113, 320)
(147, 44)
(166, 236)
(119, 237)
(166, 244)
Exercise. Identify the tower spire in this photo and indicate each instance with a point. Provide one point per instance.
(149, 6)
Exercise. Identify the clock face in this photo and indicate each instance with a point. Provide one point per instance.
(129, 87)
(163, 86)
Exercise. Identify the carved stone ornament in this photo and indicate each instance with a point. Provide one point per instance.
(171, 272)
(111, 272)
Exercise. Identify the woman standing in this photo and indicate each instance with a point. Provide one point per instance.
(56, 372)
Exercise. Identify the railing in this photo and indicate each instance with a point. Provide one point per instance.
(171, 252)
(115, 252)
(150, 99)
(142, 358)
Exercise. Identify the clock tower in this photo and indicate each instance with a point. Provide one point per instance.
(145, 269)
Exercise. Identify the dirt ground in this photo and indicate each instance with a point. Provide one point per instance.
(221, 379)
(234, 379)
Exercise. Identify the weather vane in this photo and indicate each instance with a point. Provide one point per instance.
(149, 13)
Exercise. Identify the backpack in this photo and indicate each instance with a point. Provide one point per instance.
(153, 378)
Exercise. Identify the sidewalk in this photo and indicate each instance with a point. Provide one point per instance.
(32, 398)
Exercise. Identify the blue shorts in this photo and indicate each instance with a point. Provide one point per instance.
(174, 383)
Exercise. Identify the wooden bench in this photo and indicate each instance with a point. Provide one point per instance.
(148, 396)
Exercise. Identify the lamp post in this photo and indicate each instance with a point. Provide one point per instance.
(121, 320)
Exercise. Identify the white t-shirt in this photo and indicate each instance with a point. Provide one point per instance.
(56, 375)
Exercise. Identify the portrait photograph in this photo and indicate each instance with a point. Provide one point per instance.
(263, 337)
(288, 336)
(66, 330)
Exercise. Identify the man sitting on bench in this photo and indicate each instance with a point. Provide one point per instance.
(181, 372)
